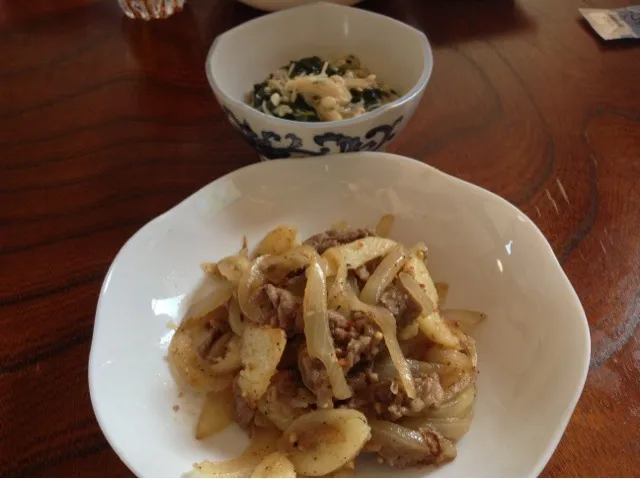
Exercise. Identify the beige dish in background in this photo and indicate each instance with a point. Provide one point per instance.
(274, 5)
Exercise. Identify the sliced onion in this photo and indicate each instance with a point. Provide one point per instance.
(449, 357)
(353, 284)
(394, 440)
(443, 291)
(424, 368)
(466, 320)
(213, 301)
(357, 253)
(458, 407)
(387, 324)
(251, 280)
(385, 225)
(219, 346)
(470, 344)
(316, 329)
(233, 267)
(385, 368)
(235, 317)
(451, 428)
(230, 362)
(190, 369)
(417, 269)
(430, 321)
(337, 296)
(400, 439)
(263, 443)
(383, 275)
(277, 267)
(460, 383)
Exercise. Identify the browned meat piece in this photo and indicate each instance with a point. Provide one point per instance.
(402, 447)
(401, 305)
(295, 284)
(387, 399)
(330, 238)
(280, 308)
(364, 272)
(289, 359)
(244, 412)
(285, 400)
(357, 339)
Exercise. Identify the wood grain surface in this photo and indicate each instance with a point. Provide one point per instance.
(107, 122)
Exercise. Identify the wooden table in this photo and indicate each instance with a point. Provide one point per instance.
(106, 123)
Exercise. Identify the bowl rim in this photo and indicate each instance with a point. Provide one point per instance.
(418, 87)
(554, 436)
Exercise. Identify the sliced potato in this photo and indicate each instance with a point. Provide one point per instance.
(281, 239)
(263, 443)
(262, 348)
(323, 441)
(217, 413)
(275, 464)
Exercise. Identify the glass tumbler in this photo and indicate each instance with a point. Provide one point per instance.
(150, 9)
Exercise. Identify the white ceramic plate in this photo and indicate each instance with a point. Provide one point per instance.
(533, 350)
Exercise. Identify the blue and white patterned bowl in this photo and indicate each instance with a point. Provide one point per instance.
(399, 54)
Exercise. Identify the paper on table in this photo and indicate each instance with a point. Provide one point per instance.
(614, 23)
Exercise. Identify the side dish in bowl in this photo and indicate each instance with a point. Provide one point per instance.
(305, 109)
(331, 347)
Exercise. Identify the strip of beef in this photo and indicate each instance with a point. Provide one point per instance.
(396, 299)
(386, 399)
(285, 400)
(357, 340)
(315, 378)
(244, 412)
(280, 308)
(330, 238)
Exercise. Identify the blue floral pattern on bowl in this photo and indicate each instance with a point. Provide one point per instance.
(271, 145)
